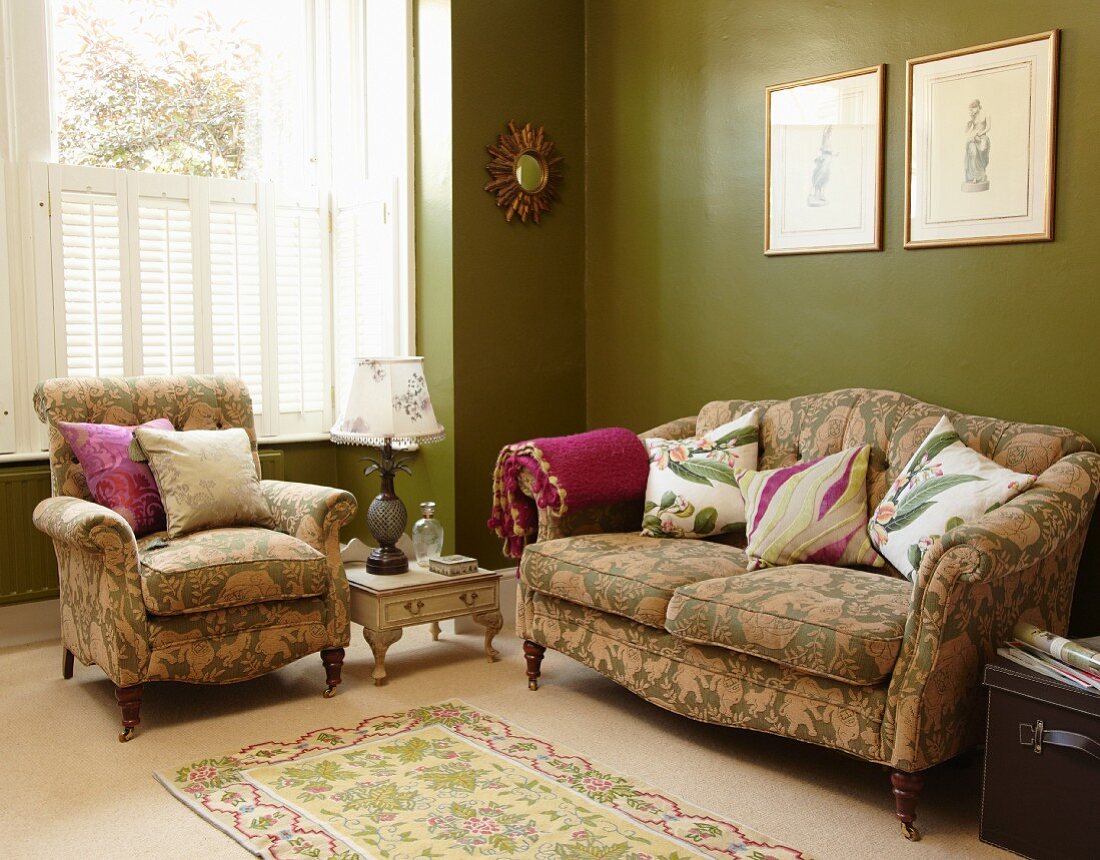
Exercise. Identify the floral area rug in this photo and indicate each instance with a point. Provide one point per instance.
(446, 781)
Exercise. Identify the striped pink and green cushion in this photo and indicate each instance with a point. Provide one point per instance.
(813, 512)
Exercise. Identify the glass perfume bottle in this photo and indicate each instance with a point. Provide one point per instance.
(427, 534)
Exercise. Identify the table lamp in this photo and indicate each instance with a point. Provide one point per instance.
(388, 404)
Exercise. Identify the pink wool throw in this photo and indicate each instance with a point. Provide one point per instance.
(599, 467)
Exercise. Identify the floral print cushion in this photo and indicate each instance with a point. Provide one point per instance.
(625, 574)
(222, 568)
(692, 490)
(944, 485)
(116, 481)
(830, 622)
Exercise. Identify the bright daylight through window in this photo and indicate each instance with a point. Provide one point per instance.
(175, 210)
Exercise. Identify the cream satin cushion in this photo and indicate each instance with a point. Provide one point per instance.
(207, 478)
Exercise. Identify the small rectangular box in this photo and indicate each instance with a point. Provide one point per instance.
(1042, 775)
(452, 565)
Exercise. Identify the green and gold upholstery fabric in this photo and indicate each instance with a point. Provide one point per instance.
(973, 584)
(104, 618)
(707, 683)
(828, 621)
(220, 568)
(626, 574)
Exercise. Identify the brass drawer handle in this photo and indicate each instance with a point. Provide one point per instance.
(414, 611)
(468, 600)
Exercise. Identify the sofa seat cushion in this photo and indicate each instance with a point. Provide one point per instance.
(221, 568)
(826, 621)
(626, 574)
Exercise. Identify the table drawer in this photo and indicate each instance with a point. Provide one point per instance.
(404, 609)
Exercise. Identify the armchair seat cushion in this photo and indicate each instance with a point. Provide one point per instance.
(221, 568)
(626, 574)
(832, 622)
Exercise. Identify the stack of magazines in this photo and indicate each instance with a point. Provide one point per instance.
(1072, 663)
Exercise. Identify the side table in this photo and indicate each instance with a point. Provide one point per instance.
(385, 605)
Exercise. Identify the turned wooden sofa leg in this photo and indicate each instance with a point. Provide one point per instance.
(333, 658)
(907, 789)
(66, 663)
(129, 700)
(533, 652)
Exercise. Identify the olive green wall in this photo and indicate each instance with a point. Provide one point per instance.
(500, 307)
(683, 307)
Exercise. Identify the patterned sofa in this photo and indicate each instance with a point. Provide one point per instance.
(212, 607)
(863, 662)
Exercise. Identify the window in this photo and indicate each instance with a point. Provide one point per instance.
(210, 188)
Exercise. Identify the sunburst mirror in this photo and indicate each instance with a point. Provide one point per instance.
(524, 173)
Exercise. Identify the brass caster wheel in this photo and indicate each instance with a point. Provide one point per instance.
(126, 734)
(532, 684)
(910, 832)
(329, 692)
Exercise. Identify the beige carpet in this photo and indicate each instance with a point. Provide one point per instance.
(71, 790)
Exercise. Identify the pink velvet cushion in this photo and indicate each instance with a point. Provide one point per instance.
(116, 481)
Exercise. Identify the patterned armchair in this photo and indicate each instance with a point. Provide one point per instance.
(212, 607)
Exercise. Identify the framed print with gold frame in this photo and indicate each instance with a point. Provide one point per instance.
(980, 144)
(823, 163)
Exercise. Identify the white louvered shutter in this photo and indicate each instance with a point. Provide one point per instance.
(301, 309)
(90, 295)
(236, 322)
(165, 251)
(365, 277)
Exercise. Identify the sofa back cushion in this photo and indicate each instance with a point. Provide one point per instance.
(189, 402)
(894, 425)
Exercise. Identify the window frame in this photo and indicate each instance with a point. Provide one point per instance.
(28, 137)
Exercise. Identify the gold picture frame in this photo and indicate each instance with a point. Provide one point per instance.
(524, 172)
(811, 206)
(1009, 90)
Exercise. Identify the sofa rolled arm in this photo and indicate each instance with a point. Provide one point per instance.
(975, 582)
(681, 428)
(85, 524)
(311, 513)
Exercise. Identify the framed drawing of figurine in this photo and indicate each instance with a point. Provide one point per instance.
(823, 164)
(979, 155)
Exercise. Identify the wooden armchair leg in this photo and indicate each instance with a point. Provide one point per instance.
(533, 652)
(907, 789)
(129, 700)
(333, 658)
(66, 663)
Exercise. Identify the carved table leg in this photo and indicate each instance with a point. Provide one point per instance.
(907, 788)
(492, 622)
(533, 652)
(380, 641)
(435, 631)
(66, 663)
(333, 660)
(129, 700)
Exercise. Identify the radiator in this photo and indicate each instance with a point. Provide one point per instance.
(28, 567)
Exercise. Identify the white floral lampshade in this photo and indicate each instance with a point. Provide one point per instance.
(388, 401)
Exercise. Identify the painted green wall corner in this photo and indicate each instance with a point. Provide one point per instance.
(683, 307)
(518, 288)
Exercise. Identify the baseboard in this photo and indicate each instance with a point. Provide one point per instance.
(507, 603)
(25, 623)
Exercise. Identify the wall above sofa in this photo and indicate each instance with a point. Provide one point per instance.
(683, 306)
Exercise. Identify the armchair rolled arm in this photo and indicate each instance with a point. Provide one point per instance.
(87, 525)
(309, 512)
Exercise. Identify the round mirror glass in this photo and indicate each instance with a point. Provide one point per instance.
(528, 172)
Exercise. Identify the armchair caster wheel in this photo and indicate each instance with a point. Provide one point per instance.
(126, 734)
(910, 832)
(532, 684)
(329, 692)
